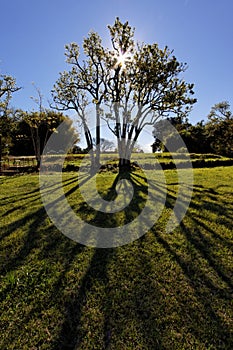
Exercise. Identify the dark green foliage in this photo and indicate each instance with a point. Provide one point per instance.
(220, 129)
(32, 131)
(7, 88)
(214, 136)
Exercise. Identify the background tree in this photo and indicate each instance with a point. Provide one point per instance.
(196, 139)
(165, 136)
(41, 125)
(7, 88)
(194, 136)
(34, 129)
(105, 145)
(220, 129)
(214, 136)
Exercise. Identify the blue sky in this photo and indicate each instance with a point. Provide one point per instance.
(33, 35)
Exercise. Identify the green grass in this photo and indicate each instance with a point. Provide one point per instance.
(152, 160)
(163, 291)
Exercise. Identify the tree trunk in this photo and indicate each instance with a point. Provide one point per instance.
(124, 165)
(36, 145)
(89, 146)
(38, 161)
(38, 150)
(97, 158)
(0, 153)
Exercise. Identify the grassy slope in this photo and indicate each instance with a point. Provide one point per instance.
(163, 291)
(151, 160)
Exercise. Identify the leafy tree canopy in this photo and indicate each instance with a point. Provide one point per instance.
(220, 129)
(138, 83)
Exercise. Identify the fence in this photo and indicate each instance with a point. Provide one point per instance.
(13, 165)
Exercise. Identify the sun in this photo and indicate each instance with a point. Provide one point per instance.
(122, 58)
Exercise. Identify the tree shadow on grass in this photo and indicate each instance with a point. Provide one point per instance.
(74, 333)
(129, 211)
(200, 312)
(163, 290)
(33, 250)
(98, 314)
(201, 262)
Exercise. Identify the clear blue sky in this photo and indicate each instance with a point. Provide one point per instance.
(33, 35)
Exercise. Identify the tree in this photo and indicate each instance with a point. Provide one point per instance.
(196, 138)
(34, 129)
(137, 148)
(105, 145)
(220, 129)
(164, 134)
(7, 88)
(145, 87)
(214, 136)
(137, 83)
(41, 125)
(83, 85)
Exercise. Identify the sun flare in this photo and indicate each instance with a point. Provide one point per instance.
(122, 58)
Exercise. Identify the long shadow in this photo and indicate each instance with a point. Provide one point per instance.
(29, 195)
(144, 286)
(21, 206)
(50, 189)
(29, 242)
(52, 247)
(9, 198)
(227, 241)
(71, 334)
(201, 242)
(205, 288)
(138, 186)
(110, 220)
(36, 218)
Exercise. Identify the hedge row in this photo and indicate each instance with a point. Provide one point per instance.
(197, 163)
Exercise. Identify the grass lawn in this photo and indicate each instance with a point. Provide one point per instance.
(152, 161)
(163, 291)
